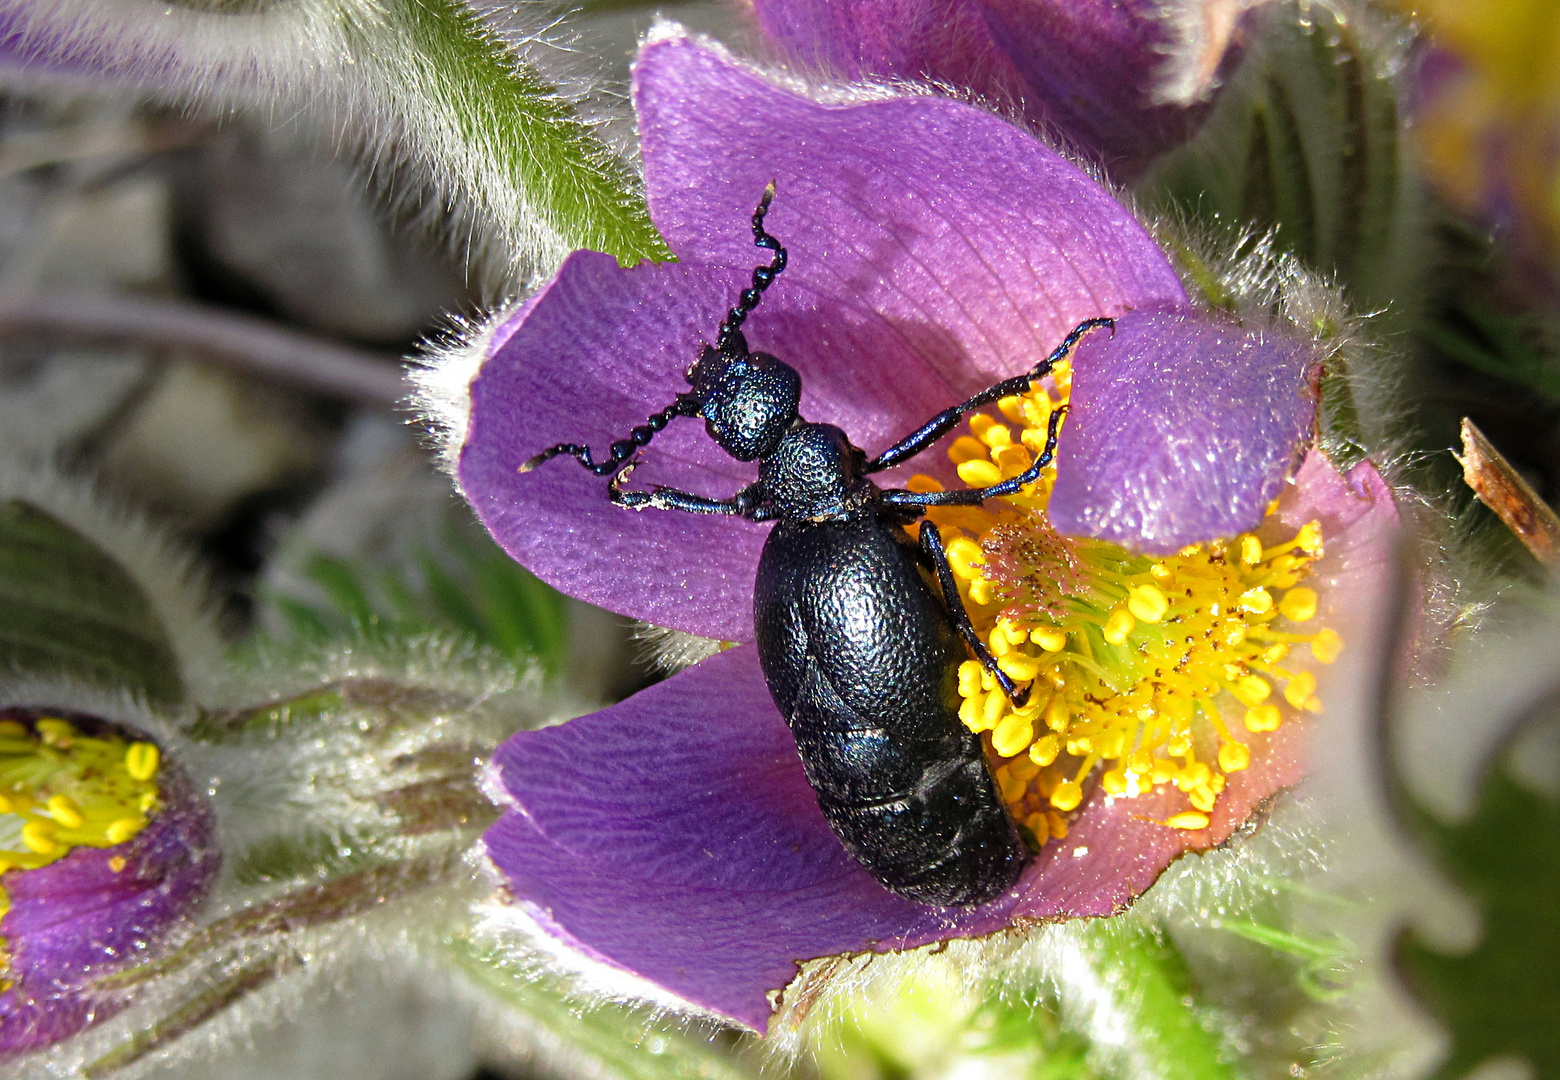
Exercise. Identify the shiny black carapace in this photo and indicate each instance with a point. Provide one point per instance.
(858, 626)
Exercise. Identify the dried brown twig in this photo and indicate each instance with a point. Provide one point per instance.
(1502, 489)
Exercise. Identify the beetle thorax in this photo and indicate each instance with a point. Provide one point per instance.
(815, 472)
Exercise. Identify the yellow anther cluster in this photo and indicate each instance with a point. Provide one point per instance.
(1132, 662)
(61, 789)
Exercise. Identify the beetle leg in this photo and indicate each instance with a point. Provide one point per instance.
(976, 496)
(948, 419)
(932, 547)
(744, 503)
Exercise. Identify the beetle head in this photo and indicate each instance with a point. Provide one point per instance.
(748, 400)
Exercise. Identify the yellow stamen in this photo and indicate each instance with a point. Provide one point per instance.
(1045, 749)
(1326, 646)
(1067, 796)
(39, 839)
(1148, 604)
(1298, 605)
(969, 677)
(1132, 663)
(123, 829)
(1234, 756)
(1300, 689)
(117, 863)
(1263, 718)
(54, 731)
(1013, 735)
(141, 760)
(979, 473)
(1118, 625)
(65, 811)
(1251, 689)
(1052, 640)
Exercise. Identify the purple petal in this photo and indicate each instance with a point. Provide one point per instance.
(675, 837)
(1086, 70)
(75, 919)
(979, 244)
(590, 357)
(1182, 430)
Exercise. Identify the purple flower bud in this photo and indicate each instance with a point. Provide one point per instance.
(106, 847)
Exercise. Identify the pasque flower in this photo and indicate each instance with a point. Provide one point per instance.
(1119, 81)
(1158, 605)
(105, 848)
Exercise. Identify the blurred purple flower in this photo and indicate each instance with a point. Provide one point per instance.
(106, 848)
(935, 248)
(1120, 80)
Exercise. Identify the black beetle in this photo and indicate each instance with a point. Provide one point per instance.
(858, 627)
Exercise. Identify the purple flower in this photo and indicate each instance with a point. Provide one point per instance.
(934, 249)
(105, 847)
(1121, 82)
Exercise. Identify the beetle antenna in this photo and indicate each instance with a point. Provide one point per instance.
(623, 449)
(763, 276)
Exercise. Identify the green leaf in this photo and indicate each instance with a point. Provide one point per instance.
(1515, 347)
(69, 608)
(502, 142)
(611, 1041)
(468, 586)
(1503, 997)
(1307, 140)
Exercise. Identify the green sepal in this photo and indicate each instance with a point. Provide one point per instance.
(1140, 979)
(68, 608)
(1503, 996)
(316, 854)
(1338, 418)
(609, 1041)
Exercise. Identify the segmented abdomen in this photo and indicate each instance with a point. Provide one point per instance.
(861, 660)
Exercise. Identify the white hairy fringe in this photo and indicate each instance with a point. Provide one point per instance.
(344, 64)
(441, 374)
(326, 779)
(530, 951)
(666, 650)
(166, 574)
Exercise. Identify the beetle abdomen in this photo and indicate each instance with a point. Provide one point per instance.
(862, 662)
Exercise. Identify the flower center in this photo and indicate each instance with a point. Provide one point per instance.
(61, 789)
(1135, 661)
